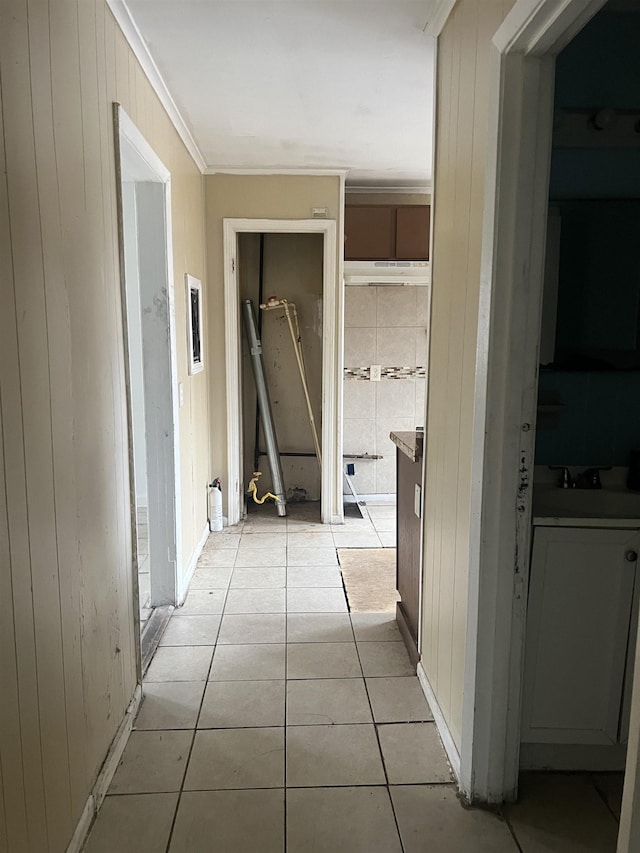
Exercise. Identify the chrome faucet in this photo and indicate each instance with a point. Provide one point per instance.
(588, 479)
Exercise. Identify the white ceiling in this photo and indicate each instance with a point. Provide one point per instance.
(304, 84)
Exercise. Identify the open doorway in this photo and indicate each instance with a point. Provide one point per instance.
(580, 649)
(386, 323)
(327, 317)
(283, 267)
(150, 347)
(507, 590)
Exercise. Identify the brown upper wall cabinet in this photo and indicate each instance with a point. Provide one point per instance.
(386, 232)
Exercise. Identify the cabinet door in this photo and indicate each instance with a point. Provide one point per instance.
(412, 233)
(369, 233)
(580, 598)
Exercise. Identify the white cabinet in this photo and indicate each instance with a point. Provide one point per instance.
(578, 628)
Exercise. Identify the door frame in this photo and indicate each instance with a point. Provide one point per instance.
(332, 359)
(134, 156)
(514, 226)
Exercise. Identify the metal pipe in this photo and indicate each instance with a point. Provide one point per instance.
(264, 405)
(256, 442)
(289, 307)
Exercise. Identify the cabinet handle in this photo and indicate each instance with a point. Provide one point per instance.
(631, 556)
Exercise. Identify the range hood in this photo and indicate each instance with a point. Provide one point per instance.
(387, 272)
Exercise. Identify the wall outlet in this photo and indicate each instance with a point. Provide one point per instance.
(319, 212)
(375, 372)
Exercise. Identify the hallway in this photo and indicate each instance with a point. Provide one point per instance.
(275, 720)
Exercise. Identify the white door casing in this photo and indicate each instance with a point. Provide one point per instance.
(137, 162)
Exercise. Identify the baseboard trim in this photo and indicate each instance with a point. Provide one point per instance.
(443, 729)
(106, 774)
(82, 827)
(191, 565)
(152, 634)
(407, 636)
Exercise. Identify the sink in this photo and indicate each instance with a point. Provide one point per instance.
(585, 503)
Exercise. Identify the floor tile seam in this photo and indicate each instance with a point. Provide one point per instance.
(603, 797)
(384, 763)
(381, 785)
(195, 731)
(286, 681)
(512, 831)
(286, 725)
(179, 797)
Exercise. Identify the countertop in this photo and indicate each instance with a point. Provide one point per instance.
(410, 443)
(607, 507)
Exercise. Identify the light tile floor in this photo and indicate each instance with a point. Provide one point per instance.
(275, 721)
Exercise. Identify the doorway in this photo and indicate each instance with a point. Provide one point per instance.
(288, 267)
(521, 128)
(151, 372)
(329, 319)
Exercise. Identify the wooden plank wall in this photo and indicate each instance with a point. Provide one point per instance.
(459, 176)
(67, 652)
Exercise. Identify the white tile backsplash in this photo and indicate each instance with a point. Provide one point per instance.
(359, 345)
(396, 398)
(396, 306)
(396, 347)
(359, 435)
(386, 326)
(359, 306)
(359, 399)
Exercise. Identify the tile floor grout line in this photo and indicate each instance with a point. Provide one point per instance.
(512, 832)
(375, 729)
(603, 797)
(286, 681)
(197, 720)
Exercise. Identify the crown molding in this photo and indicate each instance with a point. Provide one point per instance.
(439, 17)
(138, 45)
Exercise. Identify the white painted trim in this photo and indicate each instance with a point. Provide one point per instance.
(138, 45)
(336, 511)
(514, 220)
(83, 826)
(131, 133)
(173, 391)
(443, 729)
(232, 338)
(543, 27)
(439, 16)
(106, 774)
(332, 322)
(130, 139)
(275, 170)
(185, 580)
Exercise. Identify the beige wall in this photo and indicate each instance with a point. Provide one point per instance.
(67, 645)
(250, 197)
(461, 139)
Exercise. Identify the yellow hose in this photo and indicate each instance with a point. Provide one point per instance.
(253, 489)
